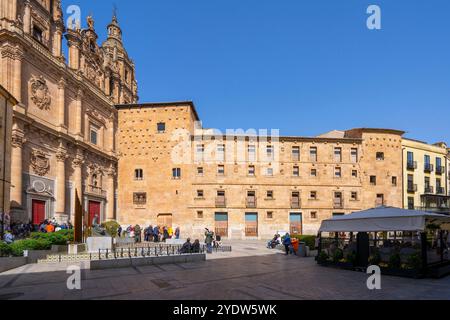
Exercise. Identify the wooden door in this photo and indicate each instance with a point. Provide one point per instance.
(38, 210)
(165, 220)
(295, 220)
(94, 210)
(251, 224)
(221, 224)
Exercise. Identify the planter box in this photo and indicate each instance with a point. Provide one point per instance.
(12, 263)
(60, 248)
(34, 255)
(407, 273)
(76, 248)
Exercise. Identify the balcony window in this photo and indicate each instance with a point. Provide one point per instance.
(200, 194)
(269, 195)
(221, 170)
(251, 171)
(313, 154)
(439, 168)
(354, 196)
(411, 203)
(338, 200)
(411, 187)
(295, 200)
(220, 199)
(338, 154)
(313, 195)
(354, 155)
(337, 172)
(295, 153)
(251, 153)
(251, 199)
(410, 163)
(355, 173)
(313, 172)
(428, 167)
(200, 171)
(296, 171)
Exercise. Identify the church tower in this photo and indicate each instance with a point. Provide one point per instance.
(122, 85)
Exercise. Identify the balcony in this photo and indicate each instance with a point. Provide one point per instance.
(338, 204)
(95, 191)
(440, 191)
(440, 170)
(221, 202)
(295, 203)
(412, 188)
(428, 168)
(429, 190)
(250, 202)
(411, 165)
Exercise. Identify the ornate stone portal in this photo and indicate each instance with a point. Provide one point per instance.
(40, 163)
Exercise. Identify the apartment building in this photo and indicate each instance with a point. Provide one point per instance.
(425, 176)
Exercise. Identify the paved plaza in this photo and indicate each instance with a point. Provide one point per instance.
(250, 272)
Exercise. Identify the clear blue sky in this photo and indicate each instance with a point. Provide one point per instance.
(302, 66)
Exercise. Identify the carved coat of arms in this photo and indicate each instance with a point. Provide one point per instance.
(40, 163)
(40, 94)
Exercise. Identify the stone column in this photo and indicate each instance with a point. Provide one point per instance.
(61, 157)
(62, 101)
(27, 17)
(77, 164)
(110, 193)
(79, 113)
(17, 86)
(16, 169)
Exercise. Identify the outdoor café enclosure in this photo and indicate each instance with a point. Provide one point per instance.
(402, 242)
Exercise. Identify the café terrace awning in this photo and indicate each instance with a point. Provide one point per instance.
(385, 219)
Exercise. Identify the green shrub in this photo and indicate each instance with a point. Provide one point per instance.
(310, 241)
(111, 227)
(57, 238)
(414, 261)
(351, 257)
(323, 257)
(5, 250)
(18, 247)
(338, 255)
(395, 261)
(375, 259)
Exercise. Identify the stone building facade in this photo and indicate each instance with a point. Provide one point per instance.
(245, 185)
(64, 124)
(7, 101)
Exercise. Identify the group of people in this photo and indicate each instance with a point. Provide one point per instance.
(189, 247)
(150, 234)
(51, 226)
(286, 241)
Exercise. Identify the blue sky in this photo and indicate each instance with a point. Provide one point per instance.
(304, 67)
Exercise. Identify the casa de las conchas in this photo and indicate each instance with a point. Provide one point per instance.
(77, 127)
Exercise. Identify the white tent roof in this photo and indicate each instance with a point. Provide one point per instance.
(384, 219)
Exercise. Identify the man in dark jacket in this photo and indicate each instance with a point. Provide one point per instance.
(287, 243)
(156, 233)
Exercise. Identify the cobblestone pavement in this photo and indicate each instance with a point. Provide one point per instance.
(249, 272)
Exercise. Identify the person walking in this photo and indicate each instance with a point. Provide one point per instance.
(177, 233)
(209, 238)
(287, 243)
(119, 232)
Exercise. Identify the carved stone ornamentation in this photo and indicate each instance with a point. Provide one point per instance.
(78, 162)
(40, 94)
(61, 155)
(40, 162)
(17, 141)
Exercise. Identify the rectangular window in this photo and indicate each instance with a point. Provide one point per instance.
(38, 34)
(221, 170)
(251, 153)
(138, 174)
(270, 152)
(338, 154)
(161, 127)
(251, 171)
(338, 172)
(373, 180)
(270, 194)
(295, 200)
(140, 198)
(296, 171)
(93, 134)
(380, 156)
(394, 181)
(220, 155)
(269, 215)
(354, 196)
(380, 200)
(200, 171)
(200, 194)
(313, 154)
(354, 155)
(295, 153)
(338, 200)
(269, 172)
(313, 215)
(200, 152)
(176, 173)
(313, 172)
(199, 214)
(313, 195)
(411, 205)
(355, 173)
(439, 167)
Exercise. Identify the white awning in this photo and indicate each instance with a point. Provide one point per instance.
(385, 219)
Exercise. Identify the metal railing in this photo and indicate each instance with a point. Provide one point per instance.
(412, 187)
(221, 202)
(428, 167)
(411, 165)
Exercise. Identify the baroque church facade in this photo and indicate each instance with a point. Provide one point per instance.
(65, 123)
